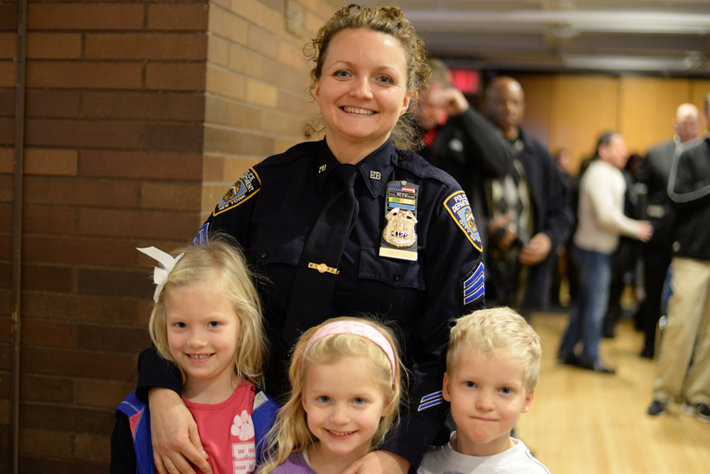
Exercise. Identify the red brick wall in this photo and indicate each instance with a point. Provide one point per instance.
(138, 116)
(257, 100)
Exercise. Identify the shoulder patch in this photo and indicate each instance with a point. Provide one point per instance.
(431, 400)
(244, 188)
(460, 211)
(202, 237)
(473, 286)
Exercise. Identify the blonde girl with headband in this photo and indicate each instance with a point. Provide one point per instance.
(207, 320)
(346, 388)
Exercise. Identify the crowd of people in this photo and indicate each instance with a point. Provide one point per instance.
(363, 303)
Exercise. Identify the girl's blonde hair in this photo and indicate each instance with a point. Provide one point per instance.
(290, 433)
(219, 260)
(497, 332)
(389, 20)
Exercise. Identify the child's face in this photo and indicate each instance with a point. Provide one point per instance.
(344, 404)
(487, 394)
(202, 332)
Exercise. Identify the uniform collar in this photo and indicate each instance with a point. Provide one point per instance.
(325, 164)
(375, 169)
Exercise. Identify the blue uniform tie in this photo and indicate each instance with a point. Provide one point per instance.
(317, 271)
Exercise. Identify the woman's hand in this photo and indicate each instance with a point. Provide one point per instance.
(379, 462)
(176, 441)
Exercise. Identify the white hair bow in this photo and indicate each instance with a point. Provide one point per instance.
(160, 275)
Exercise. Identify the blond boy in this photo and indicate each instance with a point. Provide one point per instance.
(492, 367)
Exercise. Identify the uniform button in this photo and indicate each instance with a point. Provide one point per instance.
(264, 253)
(396, 277)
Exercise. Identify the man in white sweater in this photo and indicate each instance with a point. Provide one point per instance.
(601, 221)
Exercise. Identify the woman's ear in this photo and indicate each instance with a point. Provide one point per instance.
(316, 88)
(405, 105)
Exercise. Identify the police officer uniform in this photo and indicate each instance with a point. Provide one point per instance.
(271, 210)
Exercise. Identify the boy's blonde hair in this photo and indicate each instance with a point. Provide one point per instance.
(497, 332)
(290, 433)
(222, 260)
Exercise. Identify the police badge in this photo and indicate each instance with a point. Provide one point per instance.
(399, 237)
(399, 230)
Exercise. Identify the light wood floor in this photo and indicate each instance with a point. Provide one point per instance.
(584, 422)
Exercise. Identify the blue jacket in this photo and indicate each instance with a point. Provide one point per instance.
(138, 414)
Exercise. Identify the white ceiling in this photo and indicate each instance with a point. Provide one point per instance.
(667, 37)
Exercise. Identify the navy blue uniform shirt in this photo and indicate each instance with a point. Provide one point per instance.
(270, 211)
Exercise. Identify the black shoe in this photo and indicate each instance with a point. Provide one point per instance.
(569, 359)
(657, 408)
(647, 353)
(702, 412)
(596, 367)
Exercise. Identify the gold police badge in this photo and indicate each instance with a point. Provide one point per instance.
(399, 237)
(399, 230)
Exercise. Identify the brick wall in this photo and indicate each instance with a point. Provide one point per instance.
(257, 100)
(138, 116)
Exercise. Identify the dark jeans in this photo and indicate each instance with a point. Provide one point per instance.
(585, 320)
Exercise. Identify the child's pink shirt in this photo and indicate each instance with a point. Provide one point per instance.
(227, 431)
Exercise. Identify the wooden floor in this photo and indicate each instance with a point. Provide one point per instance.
(584, 422)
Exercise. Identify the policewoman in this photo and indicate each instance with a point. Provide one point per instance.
(350, 225)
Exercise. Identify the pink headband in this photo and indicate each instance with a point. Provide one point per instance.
(356, 328)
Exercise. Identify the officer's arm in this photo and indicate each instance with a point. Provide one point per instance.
(123, 455)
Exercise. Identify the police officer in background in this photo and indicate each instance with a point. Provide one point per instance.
(350, 225)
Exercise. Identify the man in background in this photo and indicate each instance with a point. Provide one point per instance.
(528, 209)
(683, 362)
(656, 253)
(600, 222)
(460, 140)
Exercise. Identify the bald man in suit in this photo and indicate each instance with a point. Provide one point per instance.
(653, 172)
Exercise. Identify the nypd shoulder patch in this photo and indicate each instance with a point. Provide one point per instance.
(243, 189)
(460, 211)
